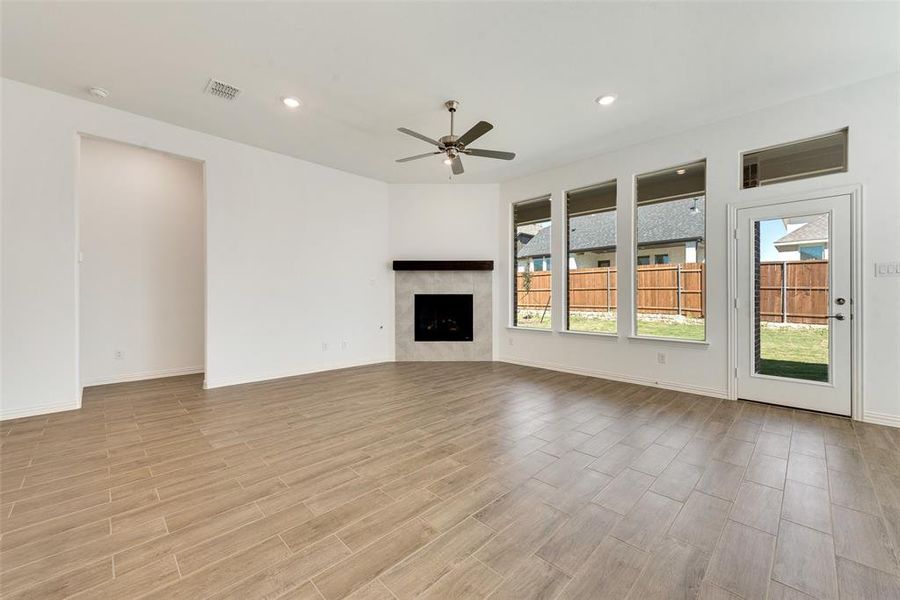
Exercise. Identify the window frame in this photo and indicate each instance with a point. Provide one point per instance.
(512, 280)
(565, 196)
(634, 246)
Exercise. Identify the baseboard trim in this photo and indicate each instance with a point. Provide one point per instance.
(668, 385)
(34, 411)
(142, 376)
(210, 384)
(881, 419)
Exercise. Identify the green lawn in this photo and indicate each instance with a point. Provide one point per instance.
(691, 329)
(798, 352)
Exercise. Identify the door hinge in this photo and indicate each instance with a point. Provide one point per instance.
(735, 372)
(736, 303)
(735, 234)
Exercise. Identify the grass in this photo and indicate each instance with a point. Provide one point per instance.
(795, 352)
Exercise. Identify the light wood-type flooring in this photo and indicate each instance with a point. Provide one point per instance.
(444, 480)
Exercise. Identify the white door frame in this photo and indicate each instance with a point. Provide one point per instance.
(856, 270)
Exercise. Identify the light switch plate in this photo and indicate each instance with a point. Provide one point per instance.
(887, 269)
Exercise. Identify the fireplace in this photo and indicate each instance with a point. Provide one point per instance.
(443, 317)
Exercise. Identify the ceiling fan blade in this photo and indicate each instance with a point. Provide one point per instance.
(491, 154)
(418, 135)
(416, 157)
(479, 129)
(456, 165)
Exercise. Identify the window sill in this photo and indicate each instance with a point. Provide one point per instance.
(520, 328)
(668, 340)
(599, 334)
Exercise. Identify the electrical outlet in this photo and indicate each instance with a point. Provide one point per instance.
(345, 344)
(661, 358)
(324, 346)
(510, 340)
(887, 269)
(118, 355)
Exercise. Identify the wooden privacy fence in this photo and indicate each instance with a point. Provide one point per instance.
(672, 289)
(677, 289)
(794, 291)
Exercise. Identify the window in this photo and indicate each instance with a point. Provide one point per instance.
(812, 157)
(591, 240)
(532, 276)
(815, 252)
(670, 226)
(540, 263)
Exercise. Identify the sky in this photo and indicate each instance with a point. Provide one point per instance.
(769, 231)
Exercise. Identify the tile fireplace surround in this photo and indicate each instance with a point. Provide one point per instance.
(443, 277)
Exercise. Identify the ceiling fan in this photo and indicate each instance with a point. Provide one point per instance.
(453, 146)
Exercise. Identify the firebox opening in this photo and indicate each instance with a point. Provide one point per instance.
(443, 318)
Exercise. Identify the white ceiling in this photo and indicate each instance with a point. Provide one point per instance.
(362, 70)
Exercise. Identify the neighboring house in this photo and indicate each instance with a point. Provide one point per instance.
(806, 239)
(668, 232)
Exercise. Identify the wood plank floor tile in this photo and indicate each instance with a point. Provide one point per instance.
(806, 505)
(859, 582)
(675, 570)
(804, 560)
(645, 525)
(741, 561)
(758, 506)
(534, 579)
(678, 480)
(862, 538)
(397, 481)
(515, 543)
(362, 567)
(608, 573)
(623, 492)
(424, 568)
(577, 539)
(471, 580)
(701, 521)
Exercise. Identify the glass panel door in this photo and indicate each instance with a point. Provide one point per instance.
(792, 297)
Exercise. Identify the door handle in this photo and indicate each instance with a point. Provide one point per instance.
(838, 316)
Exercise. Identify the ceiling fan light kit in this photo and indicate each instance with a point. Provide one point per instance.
(453, 146)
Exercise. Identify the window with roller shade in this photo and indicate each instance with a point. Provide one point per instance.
(591, 247)
(532, 249)
(813, 157)
(670, 251)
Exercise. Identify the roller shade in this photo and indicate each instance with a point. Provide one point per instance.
(596, 198)
(665, 185)
(532, 211)
(796, 160)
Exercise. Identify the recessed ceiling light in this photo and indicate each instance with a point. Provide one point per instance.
(606, 99)
(681, 171)
(291, 102)
(98, 92)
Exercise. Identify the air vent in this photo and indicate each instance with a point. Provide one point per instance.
(222, 90)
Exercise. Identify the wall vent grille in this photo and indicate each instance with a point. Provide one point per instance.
(222, 90)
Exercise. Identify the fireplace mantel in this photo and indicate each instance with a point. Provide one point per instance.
(443, 265)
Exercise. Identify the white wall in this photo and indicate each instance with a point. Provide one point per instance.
(142, 229)
(868, 108)
(291, 248)
(444, 222)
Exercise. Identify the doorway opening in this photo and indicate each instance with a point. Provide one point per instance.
(142, 262)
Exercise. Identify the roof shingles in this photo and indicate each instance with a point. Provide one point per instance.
(657, 223)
